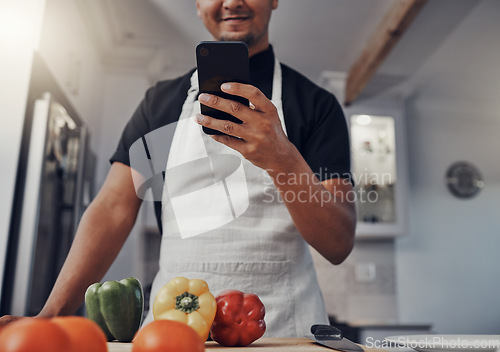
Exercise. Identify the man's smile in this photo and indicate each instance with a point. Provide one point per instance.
(235, 19)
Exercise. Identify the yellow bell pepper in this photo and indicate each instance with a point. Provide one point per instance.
(186, 301)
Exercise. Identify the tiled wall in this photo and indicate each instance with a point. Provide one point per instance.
(352, 300)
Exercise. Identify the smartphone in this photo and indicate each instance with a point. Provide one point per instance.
(220, 62)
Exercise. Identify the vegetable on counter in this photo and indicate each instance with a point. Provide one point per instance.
(34, 334)
(116, 306)
(187, 301)
(59, 334)
(239, 320)
(167, 336)
(84, 334)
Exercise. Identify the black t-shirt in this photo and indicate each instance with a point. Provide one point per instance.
(314, 119)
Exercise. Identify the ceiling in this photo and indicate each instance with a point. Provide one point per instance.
(313, 36)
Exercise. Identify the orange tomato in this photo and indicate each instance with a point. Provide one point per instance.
(34, 335)
(167, 336)
(85, 335)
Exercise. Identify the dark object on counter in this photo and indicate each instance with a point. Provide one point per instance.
(349, 332)
(330, 336)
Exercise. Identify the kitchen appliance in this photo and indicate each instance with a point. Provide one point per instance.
(53, 187)
(51, 205)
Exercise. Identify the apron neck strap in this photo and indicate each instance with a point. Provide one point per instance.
(277, 85)
(277, 91)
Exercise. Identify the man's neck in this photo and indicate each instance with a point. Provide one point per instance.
(253, 50)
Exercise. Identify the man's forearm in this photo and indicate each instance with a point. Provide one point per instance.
(327, 226)
(320, 211)
(100, 236)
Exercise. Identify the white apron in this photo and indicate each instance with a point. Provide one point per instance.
(251, 243)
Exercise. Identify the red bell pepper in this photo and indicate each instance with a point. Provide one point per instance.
(239, 320)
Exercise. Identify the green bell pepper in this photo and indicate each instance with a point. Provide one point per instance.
(117, 307)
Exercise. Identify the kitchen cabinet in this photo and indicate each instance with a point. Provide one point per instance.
(379, 168)
(378, 161)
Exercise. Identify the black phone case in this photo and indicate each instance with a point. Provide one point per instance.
(220, 62)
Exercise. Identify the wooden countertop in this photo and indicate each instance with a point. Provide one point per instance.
(261, 345)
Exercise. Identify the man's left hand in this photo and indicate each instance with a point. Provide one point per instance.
(260, 137)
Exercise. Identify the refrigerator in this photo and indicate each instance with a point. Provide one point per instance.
(54, 185)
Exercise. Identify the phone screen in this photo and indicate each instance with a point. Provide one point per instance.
(220, 62)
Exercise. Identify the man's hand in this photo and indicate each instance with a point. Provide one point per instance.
(7, 319)
(327, 225)
(260, 138)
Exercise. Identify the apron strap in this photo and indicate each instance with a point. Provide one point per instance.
(277, 92)
(187, 107)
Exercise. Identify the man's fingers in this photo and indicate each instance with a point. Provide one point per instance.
(225, 126)
(226, 105)
(231, 142)
(229, 128)
(257, 101)
(7, 319)
(252, 93)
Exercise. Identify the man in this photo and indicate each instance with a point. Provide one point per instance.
(294, 143)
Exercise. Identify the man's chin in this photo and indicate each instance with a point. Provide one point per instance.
(247, 38)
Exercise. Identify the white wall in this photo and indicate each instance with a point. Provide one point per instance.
(67, 50)
(352, 300)
(447, 269)
(20, 23)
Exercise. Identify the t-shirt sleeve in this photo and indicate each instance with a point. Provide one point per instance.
(137, 127)
(327, 148)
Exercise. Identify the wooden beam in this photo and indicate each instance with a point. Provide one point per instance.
(380, 44)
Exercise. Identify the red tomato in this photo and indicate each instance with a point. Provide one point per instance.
(167, 336)
(34, 335)
(85, 335)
